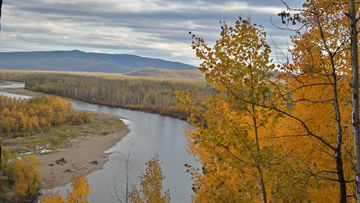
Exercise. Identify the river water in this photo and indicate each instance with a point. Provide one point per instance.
(150, 134)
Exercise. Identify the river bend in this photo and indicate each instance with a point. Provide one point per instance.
(150, 134)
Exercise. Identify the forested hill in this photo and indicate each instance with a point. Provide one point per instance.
(82, 61)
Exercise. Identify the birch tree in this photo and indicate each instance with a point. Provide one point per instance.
(335, 24)
(355, 91)
(235, 128)
(314, 105)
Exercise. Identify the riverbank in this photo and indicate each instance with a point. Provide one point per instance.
(83, 157)
(83, 152)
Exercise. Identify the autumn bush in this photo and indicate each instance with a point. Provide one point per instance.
(8, 163)
(81, 118)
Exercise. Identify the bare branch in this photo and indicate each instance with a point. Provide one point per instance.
(324, 101)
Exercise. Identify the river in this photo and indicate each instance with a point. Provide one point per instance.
(150, 134)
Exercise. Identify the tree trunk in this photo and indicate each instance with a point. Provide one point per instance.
(355, 92)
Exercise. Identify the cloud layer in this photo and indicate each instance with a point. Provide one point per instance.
(150, 28)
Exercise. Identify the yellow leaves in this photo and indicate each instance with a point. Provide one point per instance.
(49, 197)
(32, 115)
(80, 192)
(80, 188)
(181, 106)
(306, 58)
(232, 136)
(224, 138)
(8, 162)
(208, 78)
(150, 185)
(81, 118)
(27, 175)
(21, 186)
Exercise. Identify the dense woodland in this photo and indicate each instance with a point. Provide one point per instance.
(152, 95)
(36, 114)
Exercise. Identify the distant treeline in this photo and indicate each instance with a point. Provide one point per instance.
(36, 114)
(151, 95)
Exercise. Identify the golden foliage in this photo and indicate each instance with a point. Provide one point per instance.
(27, 176)
(8, 163)
(80, 192)
(233, 134)
(150, 185)
(81, 118)
(36, 114)
(261, 140)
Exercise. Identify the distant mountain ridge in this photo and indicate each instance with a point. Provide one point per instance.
(85, 62)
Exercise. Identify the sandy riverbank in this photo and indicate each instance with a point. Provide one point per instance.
(78, 157)
(79, 154)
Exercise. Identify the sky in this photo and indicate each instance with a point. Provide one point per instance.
(149, 28)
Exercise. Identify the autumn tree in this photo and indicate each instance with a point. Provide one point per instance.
(150, 190)
(235, 128)
(27, 176)
(79, 194)
(314, 105)
(8, 163)
(353, 35)
(80, 188)
(325, 62)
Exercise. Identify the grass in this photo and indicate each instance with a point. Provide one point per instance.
(61, 136)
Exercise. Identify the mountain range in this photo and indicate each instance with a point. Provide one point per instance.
(84, 62)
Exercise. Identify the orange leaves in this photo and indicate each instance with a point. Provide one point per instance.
(318, 81)
(224, 141)
(233, 133)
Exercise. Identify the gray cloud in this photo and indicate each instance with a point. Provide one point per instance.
(152, 28)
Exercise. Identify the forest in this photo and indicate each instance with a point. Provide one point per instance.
(36, 114)
(144, 94)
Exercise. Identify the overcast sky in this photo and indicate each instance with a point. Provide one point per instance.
(149, 28)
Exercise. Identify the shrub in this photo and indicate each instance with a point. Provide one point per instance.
(81, 118)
